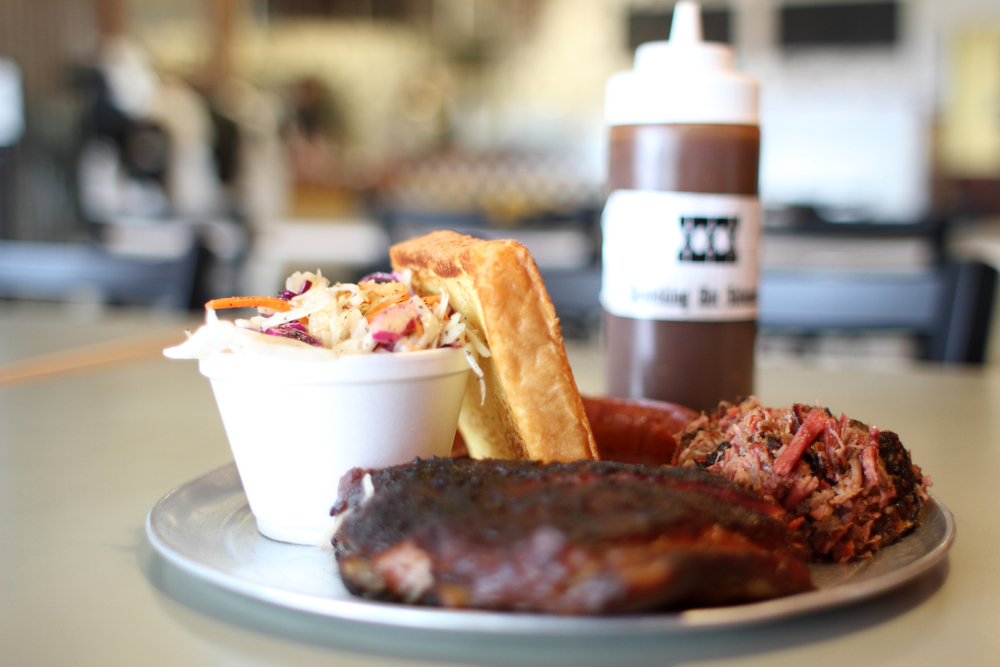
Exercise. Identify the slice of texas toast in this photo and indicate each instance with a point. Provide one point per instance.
(532, 408)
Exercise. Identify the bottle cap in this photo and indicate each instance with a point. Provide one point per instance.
(682, 80)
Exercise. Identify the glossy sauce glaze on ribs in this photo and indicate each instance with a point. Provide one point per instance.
(586, 537)
(850, 488)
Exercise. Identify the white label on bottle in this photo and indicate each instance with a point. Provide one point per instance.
(680, 255)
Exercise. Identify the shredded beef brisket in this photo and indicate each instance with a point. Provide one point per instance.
(849, 488)
(586, 537)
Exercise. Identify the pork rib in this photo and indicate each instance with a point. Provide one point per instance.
(586, 537)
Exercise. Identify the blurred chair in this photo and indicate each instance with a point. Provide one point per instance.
(547, 200)
(890, 278)
(87, 272)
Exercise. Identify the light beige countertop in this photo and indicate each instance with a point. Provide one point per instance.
(87, 450)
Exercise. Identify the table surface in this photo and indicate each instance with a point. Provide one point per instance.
(89, 441)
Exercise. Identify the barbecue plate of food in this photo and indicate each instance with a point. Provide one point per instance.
(578, 514)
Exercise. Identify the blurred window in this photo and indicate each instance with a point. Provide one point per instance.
(339, 9)
(839, 24)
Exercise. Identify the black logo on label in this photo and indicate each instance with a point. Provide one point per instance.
(708, 239)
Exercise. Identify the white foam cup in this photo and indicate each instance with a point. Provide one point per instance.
(296, 426)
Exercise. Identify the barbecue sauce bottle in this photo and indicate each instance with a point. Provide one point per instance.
(682, 222)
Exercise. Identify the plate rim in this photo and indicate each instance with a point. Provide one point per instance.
(392, 614)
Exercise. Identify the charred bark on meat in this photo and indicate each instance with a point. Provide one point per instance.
(581, 538)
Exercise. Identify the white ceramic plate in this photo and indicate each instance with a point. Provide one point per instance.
(205, 528)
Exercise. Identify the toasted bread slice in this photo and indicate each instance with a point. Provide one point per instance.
(532, 408)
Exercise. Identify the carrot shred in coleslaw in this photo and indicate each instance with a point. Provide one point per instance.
(385, 303)
(272, 302)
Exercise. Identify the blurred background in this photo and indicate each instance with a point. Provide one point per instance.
(164, 152)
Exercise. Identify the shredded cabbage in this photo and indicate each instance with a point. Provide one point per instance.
(379, 314)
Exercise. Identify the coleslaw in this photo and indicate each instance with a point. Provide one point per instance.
(314, 319)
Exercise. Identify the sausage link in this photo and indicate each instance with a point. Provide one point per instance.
(628, 430)
(631, 430)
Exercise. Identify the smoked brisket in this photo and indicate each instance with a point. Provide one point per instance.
(850, 489)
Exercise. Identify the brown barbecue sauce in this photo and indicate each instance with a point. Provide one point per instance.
(692, 363)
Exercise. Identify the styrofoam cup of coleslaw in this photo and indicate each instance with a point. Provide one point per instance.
(296, 426)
